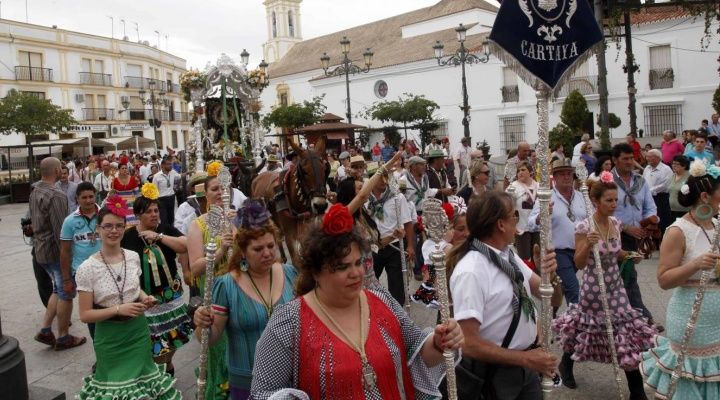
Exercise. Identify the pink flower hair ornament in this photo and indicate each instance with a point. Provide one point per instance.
(118, 206)
(606, 177)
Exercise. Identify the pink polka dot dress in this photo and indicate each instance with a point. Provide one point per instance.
(581, 328)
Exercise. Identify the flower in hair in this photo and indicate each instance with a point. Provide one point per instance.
(150, 191)
(458, 204)
(606, 177)
(213, 169)
(254, 214)
(449, 211)
(337, 220)
(685, 189)
(698, 168)
(118, 206)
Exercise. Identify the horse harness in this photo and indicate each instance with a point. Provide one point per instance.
(295, 175)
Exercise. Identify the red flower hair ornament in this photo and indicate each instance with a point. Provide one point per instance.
(449, 211)
(337, 221)
(118, 206)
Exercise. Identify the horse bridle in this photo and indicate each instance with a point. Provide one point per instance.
(319, 189)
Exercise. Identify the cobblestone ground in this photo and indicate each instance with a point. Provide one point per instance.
(22, 311)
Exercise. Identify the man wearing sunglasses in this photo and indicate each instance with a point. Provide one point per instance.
(166, 181)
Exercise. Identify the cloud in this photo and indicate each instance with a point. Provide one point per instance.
(200, 30)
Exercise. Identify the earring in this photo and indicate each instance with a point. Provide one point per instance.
(704, 212)
(244, 266)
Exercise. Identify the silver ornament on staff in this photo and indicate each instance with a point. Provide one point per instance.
(544, 192)
(581, 172)
(436, 225)
(395, 188)
(225, 179)
(214, 219)
(692, 321)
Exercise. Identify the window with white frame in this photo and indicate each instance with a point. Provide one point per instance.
(510, 91)
(662, 75)
(512, 131)
(659, 118)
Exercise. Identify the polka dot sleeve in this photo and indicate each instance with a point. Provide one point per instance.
(582, 227)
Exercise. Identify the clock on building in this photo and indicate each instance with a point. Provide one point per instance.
(381, 89)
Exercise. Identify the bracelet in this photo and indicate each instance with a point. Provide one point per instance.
(160, 237)
(117, 310)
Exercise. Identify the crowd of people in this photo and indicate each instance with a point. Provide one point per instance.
(126, 235)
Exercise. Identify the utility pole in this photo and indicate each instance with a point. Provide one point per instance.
(630, 68)
(602, 83)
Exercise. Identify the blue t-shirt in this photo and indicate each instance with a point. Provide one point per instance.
(705, 155)
(81, 231)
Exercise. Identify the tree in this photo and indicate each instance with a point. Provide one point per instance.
(562, 134)
(409, 111)
(716, 100)
(30, 115)
(613, 121)
(574, 111)
(296, 115)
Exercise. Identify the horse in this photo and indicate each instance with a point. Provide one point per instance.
(303, 193)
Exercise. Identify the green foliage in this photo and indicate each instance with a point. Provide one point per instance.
(716, 100)
(564, 135)
(392, 135)
(363, 137)
(574, 111)
(31, 115)
(296, 115)
(613, 121)
(485, 147)
(408, 110)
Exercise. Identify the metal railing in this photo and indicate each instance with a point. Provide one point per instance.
(510, 94)
(23, 73)
(584, 84)
(172, 87)
(138, 114)
(662, 78)
(98, 114)
(92, 78)
(183, 116)
(138, 82)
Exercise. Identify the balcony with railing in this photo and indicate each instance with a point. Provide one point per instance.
(510, 94)
(92, 78)
(98, 114)
(661, 78)
(183, 116)
(586, 85)
(138, 82)
(139, 114)
(172, 87)
(23, 73)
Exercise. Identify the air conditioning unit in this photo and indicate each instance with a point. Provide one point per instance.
(115, 131)
(79, 97)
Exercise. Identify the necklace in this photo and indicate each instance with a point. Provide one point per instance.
(267, 304)
(116, 280)
(368, 374)
(606, 237)
(568, 204)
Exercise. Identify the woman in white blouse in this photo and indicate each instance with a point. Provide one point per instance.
(110, 296)
(524, 192)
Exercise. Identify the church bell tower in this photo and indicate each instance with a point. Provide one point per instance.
(283, 27)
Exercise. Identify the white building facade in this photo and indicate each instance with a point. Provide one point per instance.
(106, 82)
(674, 86)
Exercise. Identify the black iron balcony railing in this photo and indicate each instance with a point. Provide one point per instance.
(584, 84)
(98, 114)
(138, 82)
(23, 73)
(510, 94)
(662, 78)
(92, 78)
(138, 114)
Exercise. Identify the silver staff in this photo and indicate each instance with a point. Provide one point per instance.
(214, 220)
(225, 179)
(395, 188)
(436, 225)
(544, 192)
(692, 321)
(582, 175)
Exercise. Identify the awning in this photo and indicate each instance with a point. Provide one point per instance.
(76, 142)
(130, 142)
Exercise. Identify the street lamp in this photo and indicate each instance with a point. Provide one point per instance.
(346, 68)
(153, 100)
(462, 57)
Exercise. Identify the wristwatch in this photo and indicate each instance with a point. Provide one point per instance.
(160, 237)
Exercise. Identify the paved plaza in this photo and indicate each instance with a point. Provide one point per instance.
(22, 311)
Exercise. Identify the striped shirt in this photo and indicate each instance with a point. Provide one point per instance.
(48, 209)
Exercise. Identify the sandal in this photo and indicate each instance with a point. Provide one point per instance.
(68, 342)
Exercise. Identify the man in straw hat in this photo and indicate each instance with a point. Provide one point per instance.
(437, 176)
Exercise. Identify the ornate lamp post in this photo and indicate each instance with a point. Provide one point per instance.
(462, 57)
(346, 68)
(254, 94)
(158, 100)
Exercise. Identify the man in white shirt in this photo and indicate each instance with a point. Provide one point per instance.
(166, 181)
(103, 182)
(462, 156)
(578, 147)
(344, 166)
(383, 209)
(491, 289)
(658, 177)
(144, 170)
